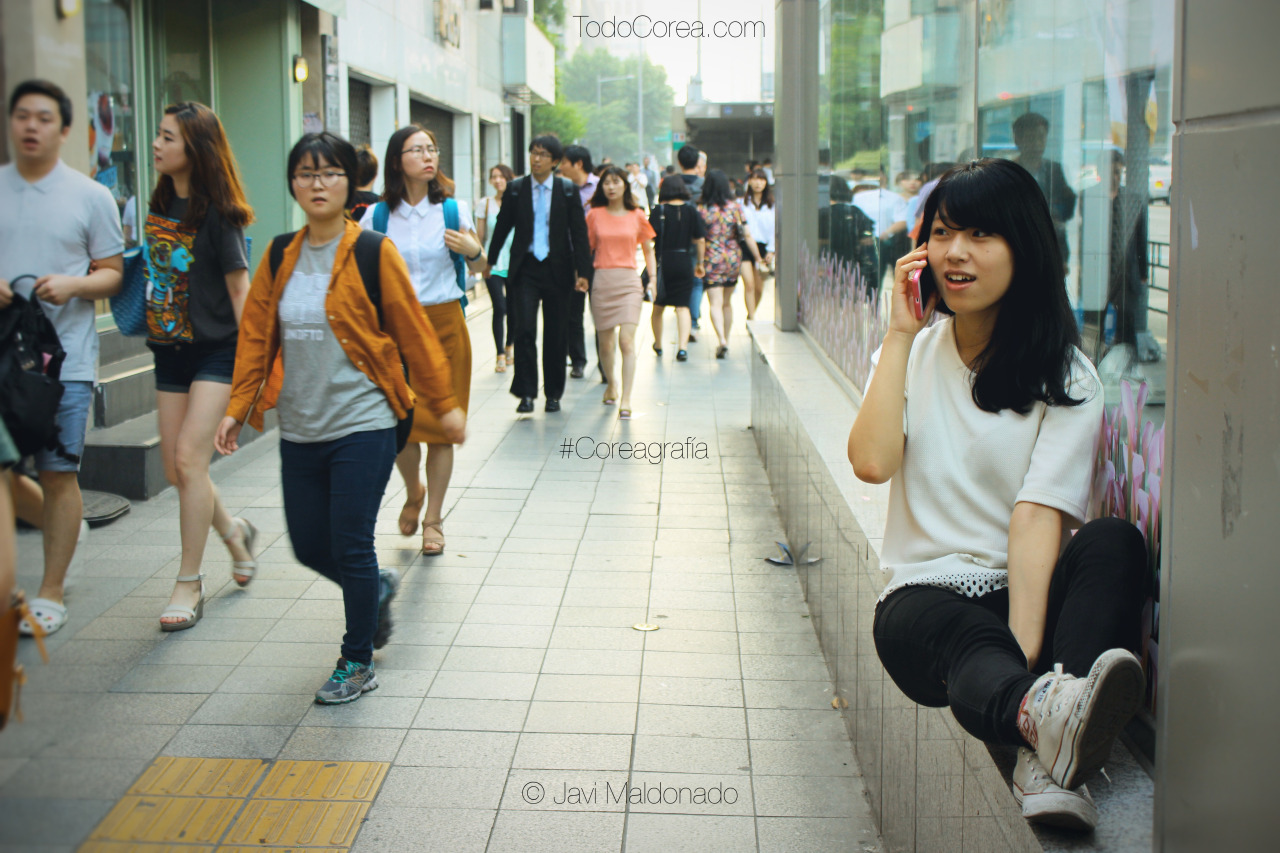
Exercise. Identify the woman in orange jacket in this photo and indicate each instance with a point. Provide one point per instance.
(327, 348)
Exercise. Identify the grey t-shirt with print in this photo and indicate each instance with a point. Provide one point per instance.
(324, 397)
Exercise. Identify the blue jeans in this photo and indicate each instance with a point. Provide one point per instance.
(695, 301)
(332, 491)
(73, 421)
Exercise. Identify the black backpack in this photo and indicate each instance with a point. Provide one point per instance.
(31, 359)
(368, 252)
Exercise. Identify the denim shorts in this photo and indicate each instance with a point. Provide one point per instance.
(178, 365)
(73, 420)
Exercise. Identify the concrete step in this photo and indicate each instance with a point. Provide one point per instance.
(126, 390)
(124, 459)
(113, 346)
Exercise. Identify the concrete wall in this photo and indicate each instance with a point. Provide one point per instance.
(1218, 743)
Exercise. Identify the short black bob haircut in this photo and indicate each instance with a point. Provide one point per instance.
(326, 148)
(49, 90)
(673, 187)
(550, 143)
(1032, 347)
(716, 191)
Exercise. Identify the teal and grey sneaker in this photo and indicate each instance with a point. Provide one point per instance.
(388, 585)
(348, 682)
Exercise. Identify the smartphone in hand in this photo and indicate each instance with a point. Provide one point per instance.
(913, 293)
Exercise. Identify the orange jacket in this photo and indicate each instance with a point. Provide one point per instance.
(259, 372)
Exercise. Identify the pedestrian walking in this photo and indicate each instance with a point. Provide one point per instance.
(727, 232)
(651, 180)
(615, 227)
(437, 239)
(368, 176)
(496, 279)
(759, 212)
(1026, 633)
(577, 167)
(549, 253)
(693, 167)
(61, 244)
(198, 279)
(331, 324)
(679, 234)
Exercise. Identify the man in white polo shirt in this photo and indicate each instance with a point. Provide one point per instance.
(63, 228)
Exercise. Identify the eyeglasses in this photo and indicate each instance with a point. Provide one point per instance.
(327, 179)
(539, 153)
(419, 150)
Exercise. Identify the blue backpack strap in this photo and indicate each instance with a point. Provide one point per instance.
(452, 221)
(381, 215)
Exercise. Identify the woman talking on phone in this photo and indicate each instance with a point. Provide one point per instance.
(985, 424)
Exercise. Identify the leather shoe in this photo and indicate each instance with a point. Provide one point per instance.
(526, 405)
(576, 373)
(552, 405)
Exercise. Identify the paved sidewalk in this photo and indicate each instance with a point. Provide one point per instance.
(514, 667)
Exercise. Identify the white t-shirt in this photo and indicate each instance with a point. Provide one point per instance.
(761, 221)
(56, 226)
(963, 470)
(883, 206)
(418, 232)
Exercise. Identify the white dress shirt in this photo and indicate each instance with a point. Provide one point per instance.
(418, 232)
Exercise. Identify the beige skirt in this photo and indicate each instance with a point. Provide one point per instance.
(616, 296)
(451, 328)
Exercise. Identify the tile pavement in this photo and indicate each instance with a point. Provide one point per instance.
(514, 672)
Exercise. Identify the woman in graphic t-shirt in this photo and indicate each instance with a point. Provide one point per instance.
(416, 201)
(985, 423)
(616, 227)
(315, 347)
(197, 270)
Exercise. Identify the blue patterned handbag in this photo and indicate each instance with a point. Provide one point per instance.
(129, 306)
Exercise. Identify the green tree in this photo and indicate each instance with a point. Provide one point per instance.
(855, 122)
(564, 119)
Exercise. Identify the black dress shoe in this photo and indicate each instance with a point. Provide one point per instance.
(576, 373)
(526, 405)
(552, 405)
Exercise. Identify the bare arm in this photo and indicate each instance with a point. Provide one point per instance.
(650, 263)
(238, 290)
(1035, 537)
(104, 279)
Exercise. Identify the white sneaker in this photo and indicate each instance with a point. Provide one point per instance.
(1072, 722)
(1044, 801)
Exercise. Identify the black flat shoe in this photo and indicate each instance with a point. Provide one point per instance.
(693, 338)
(721, 352)
(576, 372)
(682, 355)
(657, 350)
(526, 405)
(553, 406)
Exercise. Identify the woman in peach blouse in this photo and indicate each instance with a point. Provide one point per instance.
(616, 227)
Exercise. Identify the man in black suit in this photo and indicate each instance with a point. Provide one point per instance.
(550, 244)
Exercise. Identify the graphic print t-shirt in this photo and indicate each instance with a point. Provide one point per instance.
(324, 396)
(170, 254)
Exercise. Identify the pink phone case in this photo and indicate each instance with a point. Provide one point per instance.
(913, 291)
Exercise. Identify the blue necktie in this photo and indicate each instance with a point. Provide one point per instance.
(541, 224)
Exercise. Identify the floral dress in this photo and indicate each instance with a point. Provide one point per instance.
(724, 255)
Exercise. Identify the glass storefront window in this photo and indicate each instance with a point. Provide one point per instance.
(181, 51)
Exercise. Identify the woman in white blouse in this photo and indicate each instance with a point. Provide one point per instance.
(416, 212)
(758, 209)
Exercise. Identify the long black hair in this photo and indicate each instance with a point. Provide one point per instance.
(715, 189)
(394, 188)
(1033, 345)
(766, 195)
(598, 198)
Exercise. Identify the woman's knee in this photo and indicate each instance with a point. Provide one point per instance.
(190, 464)
(1115, 544)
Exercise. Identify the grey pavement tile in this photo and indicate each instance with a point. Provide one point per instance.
(401, 658)
(200, 652)
(791, 602)
(694, 620)
(318, 743)
(411, 683)
(691, 664)
(779, 644)
(228, 741)
(492, 659)
(511, 614)
(436, 748)
(703, 565)
(801, 758)
(525, 562)
(685, 833)
(690, 794)
(581, 717)
(527, 545)
(507, 636)
(239, 606)
(813, 695)
(119, 628)
(222, 628)
(587, 581)
(696, 548)
(556, 832)
(265, 709)
(74, 678)
(528, 595)
(471, 715)
(424, 633)
(780, 623)
(9, 768)
(172, 678)
(784, 667)
(808, 796)
(620, 535)
(463, 830)
(662, 599)
(443, 787)
(483, 685)
(689, 754)
(592, 661)
(574, 637)
(93, 740)
(614, 562)
(658, 689)
(54, 822)
(587, 688)
(602, 548)
(524, 530)
(559, 751)
(694, 721)
(581, 599)
(277, 680)
(75, 778)
(295, 654)
(779, 724)
(415, 589)
(445, 612)
(723, 643)
(552, 577)
(541, 790)
(370, 711)
(816, 834)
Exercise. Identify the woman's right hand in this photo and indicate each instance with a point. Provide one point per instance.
(901, 316)
(226, 441)
(454, 426)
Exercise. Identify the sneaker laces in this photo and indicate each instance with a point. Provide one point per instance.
(1042, 702)
(344, 671)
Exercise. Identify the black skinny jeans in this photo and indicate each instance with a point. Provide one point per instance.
(943, 648)
(497, 285)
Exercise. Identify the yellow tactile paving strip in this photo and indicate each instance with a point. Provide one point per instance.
(222, 805)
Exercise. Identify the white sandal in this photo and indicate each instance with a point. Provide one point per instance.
(248, 568)
(193, 616)
(48, 615)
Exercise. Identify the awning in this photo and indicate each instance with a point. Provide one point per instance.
(337, 8)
